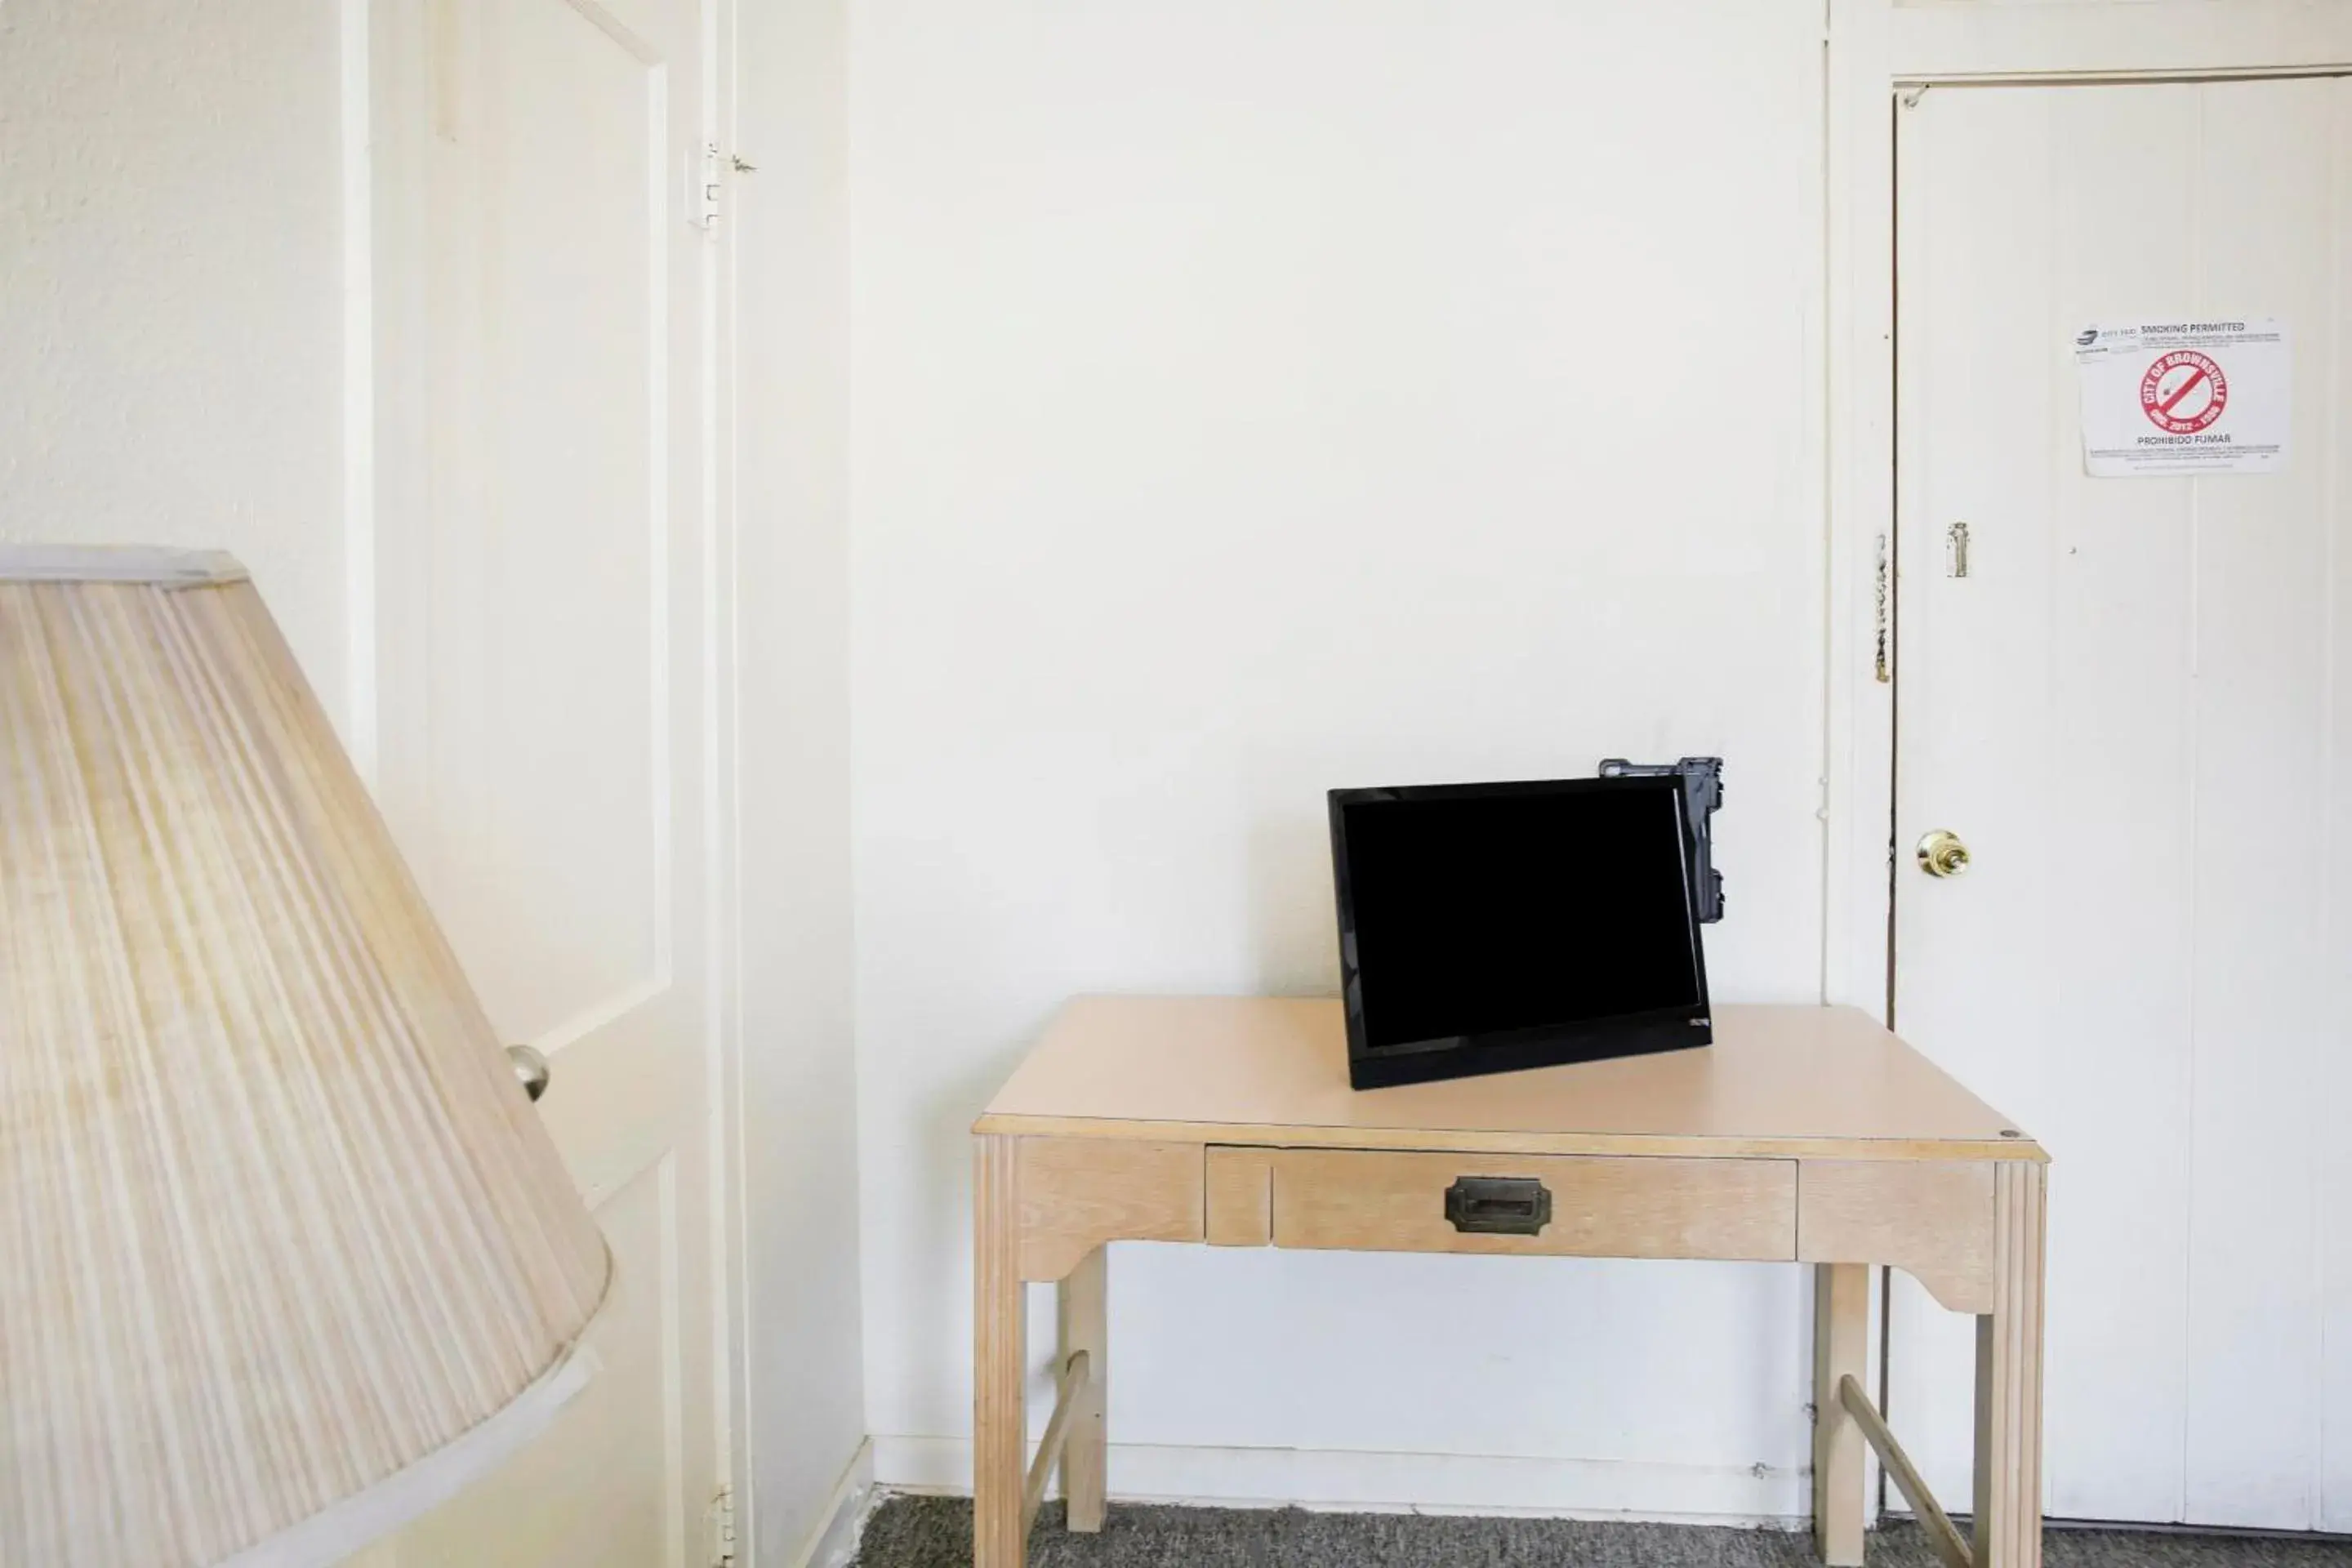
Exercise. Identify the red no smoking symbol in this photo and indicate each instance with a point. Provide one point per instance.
(2183, 392)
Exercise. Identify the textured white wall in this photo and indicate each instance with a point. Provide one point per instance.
(798, 1105)
(1255, 397)
(171, 287)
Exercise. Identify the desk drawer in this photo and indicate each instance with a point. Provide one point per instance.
(1568, 1205)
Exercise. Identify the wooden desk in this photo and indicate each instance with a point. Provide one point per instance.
(1804, 1135)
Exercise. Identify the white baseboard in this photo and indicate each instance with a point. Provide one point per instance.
(834, 1542)
(1375, 1482)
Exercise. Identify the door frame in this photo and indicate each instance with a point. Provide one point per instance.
(390, 57)
(1878, 53)
(1875, 50)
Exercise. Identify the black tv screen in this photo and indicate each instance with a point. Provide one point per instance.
(1489, 927)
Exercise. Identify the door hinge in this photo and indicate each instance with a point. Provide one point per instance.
(710, 181)
(1884, 627)
(721, 1520)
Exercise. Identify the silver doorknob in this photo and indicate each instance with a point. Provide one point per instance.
(1941, 853)
(530, 1068)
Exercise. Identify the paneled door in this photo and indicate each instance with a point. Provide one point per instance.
(2131, 698)
(545, 724)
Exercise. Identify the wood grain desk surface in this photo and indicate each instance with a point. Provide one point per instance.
(1792, 1081)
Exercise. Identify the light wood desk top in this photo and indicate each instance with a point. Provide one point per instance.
(1803, 1135)
(1787, 1081)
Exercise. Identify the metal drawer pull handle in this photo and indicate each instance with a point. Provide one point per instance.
(1499, 1206)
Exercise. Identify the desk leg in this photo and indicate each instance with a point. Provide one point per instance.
(2009, 1378)
(1841, 1347)
(999, 1414)
(1086, 1322)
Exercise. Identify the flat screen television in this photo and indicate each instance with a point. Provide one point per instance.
(1489, 927)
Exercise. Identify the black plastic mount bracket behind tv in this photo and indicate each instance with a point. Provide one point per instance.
(1702, 794)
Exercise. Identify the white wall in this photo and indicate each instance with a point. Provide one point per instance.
(796, 1111)
(171, 287)
(1254, 396)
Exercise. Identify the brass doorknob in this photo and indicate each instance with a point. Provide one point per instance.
(1941, 853)
(530, 1068)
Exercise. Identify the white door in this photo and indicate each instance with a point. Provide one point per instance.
(2135, 709)
(544, 732)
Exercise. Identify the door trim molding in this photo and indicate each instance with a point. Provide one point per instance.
(356, 98)
(2148, 39)
(1877, 50)
(2118, 77)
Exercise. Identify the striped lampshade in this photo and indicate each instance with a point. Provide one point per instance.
(285, 1255)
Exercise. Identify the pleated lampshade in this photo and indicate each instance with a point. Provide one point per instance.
(285, 1255)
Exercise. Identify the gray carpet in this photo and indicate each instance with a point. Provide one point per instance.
(936, 1532)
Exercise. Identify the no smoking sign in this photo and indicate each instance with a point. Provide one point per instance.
(2184, 397)
(2183, 392)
